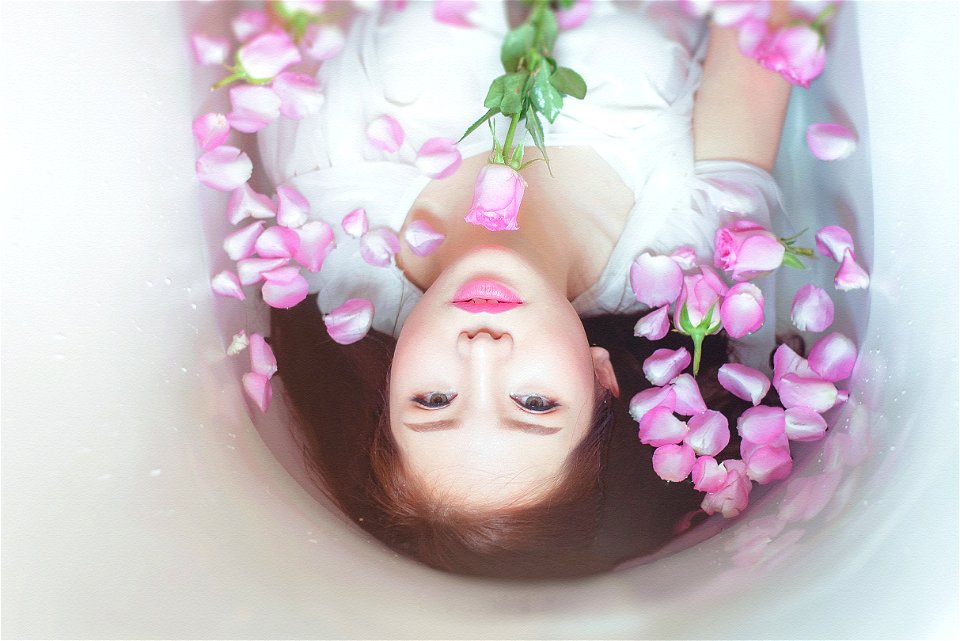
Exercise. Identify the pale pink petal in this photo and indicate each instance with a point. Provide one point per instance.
(224, 168)
(686, 257)
(689, 400)
(660, 427)
(786, 361)
(814, 393)
(248, 23)
(267, 55)
(733, 497)
(655, 280)
(830, 141)
(209, 50)
(673, 462)
(226, 283)
(833, 241)
(254, 107)
(355, 223)
(257, 386)
(750, 35)
(664, 365)
(251, 269)
(244, 202)
(743, 382)
(806, 497)
(812, 309)
(262, 360)
(804, 424)
(645, 400)
(277, 242)
(767, 464)
(454, 12)
(322, 41)
(438, 158)
(284, 287)
(851, 275)
(709, 433)
(574, 16)
(733, 13)
(707, 474)
(385, 133)
(241, 243)
(350, 322)
(316, 241)
(741, 311)
(378, 246)
(833, 357)
(239, 341)
(292, 208)
(299, 95)
(654, 325)
(211, 130)
(762, 424)
(422, 239)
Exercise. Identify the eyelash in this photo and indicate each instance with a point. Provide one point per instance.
(429, 401)
(523, 401)
(426, 400)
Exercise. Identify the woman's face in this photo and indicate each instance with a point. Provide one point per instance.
(493, 381)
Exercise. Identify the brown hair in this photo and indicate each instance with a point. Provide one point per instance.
(609, 507)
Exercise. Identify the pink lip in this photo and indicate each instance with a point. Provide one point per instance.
(483, 295)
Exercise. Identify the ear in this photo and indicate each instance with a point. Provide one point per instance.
(604, 370)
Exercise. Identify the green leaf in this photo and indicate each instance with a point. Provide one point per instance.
(565, 4)
(484, 118)
(535, 127)
(548, 30)
(495, 93)
(546, 99)
(792, 261)
(568, 81)
(513, 85)
(515, 46)
(516, 159)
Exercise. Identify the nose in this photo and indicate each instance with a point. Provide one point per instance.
(484, 343)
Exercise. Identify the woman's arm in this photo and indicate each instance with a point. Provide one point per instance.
(740, 106)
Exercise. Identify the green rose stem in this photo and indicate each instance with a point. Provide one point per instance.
(508, 141)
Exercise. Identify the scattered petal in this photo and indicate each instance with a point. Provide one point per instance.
(833, 357)
(734, 13)
(645, 400)
(686, 257)
(350, 322)
(709, 433)
(292, 208)
(245, 202)
(804, 424)
(673, 462)
(660, 427)
(438, 158)
(254, 107)
(378, 246)
(299, 95)
(812, 309)
(815, 393)
(655, 280)
(743, 382)
(707, 474)
(322, 42)
(251, 269)
(385, 133)
(316, 241)
(277, 242)
(209, 50)
(497, 194)
(249, 23)
(786, 361)
(285, 287)
(262, 360)
(211, 130)
(267, 55)
(750, 35)
(768, 463)
(574, 16)
(454, 12)
(422, 239)
(689, 401)
(355, 223)
(851, 275)
(732, 498)
(741, 311)
(834, 241)
(257, 386)
(224, 168)
(746, 250)
(241, 243)
(664, 365)
(226, 283)
(239, 342)
(830, 141)
(762, 424)
(654, 325)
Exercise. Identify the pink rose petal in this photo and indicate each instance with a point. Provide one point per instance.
(248, 23)
(322, 41)
(292, 208)
(833, 241)
(241, 243)
(277, 242)
(660, 427)
(654, 325)
(707, 474)
(211, 130)
(385, 133)
(378, 246)
(316, 242)
(732, 498)
(743, 382)
(257, 386)
(833, 357)
(251, 269)
(224, 168)
(664, 365)
(804, 424)
(733, 13)
(262, 360)
(741, 311)
(574, 16)
(814, 393)
(689, 400)
(350, 322)
(830, 141)
(851, 275)
(762, 424)
(422, 239)
(355, 223)
(254, 107)
(750, 35)
(245, 202)
(686, 257)
(767, 464)
(267, 54)
(673, 462)
(209, 50)
(299, 94)
(709, 433)
(786, 361)
(812, 309)
(454, 12)
(284, 287)
(438, 158)
(226, 283)
(655, 280)
(645, 400)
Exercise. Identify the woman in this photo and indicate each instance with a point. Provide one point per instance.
(475, 443)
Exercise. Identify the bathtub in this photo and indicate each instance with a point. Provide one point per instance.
(140, 500)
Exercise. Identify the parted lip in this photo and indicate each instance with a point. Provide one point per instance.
(484, 295)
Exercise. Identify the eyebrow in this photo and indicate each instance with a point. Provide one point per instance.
(511, 424)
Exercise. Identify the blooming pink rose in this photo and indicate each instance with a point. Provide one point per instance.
(496, 198)
(673, 462)
(350, 322)
(746, 250)
(796, 53)
(267, 55)
(812, 309)
(655, 280)
(830, 141)
(741, 311)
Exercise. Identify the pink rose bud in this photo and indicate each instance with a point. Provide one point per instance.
(645, 400)
(316, 242)
(768, 463)
(574, 16)
(833, 357)
(267, 55)
(654, 325)
(284, 287)
(698, 304)
(851, 275)
(786, 361)
(211, 130)
(355, 223)
(454, 12)
(814, 393)
(689, 401)
(378, 246)
(245, 202)
(762, 424)
(709, 433)
(655, 280)
(830, 141)
(812, 309)
(262, 360)
(226, 283)
(254, 107)
(660, 427)
(224, 168)
(746, 250)
(743, 382)
(422, 239)
(732, 498)
(277, 242)
(796, 53)
(804, 424)
(257, 387)
(496, 198)
(707, 474)
(350, 322)
(673, 462)
(385, 133)
(833, 241)
(209, 50)
(664, 365)
(241, 243)
(251, 269)
(293, 210)
(438, 158)
(322, 41)
(741, 311)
